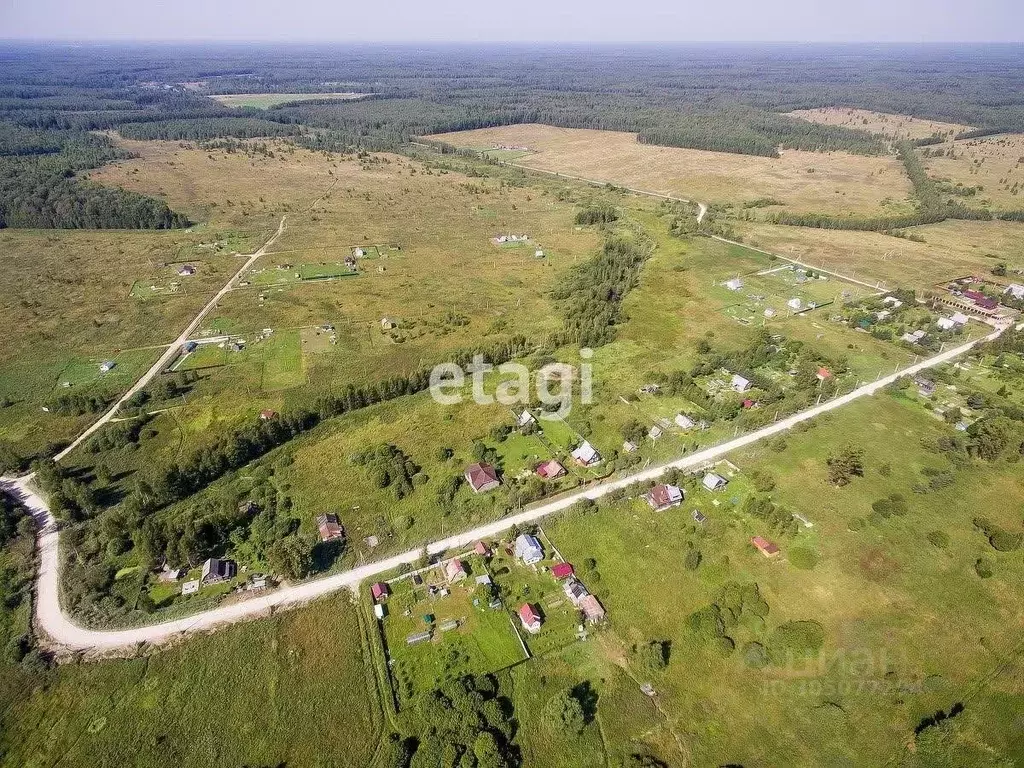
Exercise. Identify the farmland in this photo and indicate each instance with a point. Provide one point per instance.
(835, 182)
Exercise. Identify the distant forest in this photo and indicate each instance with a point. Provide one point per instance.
(727, 98)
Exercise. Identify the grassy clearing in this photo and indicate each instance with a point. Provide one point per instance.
(268, 100)
(950, 249)
(888, 125)
(994, 165)
(293, 689)
(836, 182)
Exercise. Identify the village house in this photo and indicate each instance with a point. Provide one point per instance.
(575, 590)
(359, 253)
(528, 549)
(215, 570)
(525, 418)
(629, 447)
(823, 374)
(960, 318)
(482, 549)
(267, 415)
(925, 386)
(386, 323)
(107, 366)
(454, 571)
(1016, 291)
(684, 422)
(714, 482)
(767, 548)
(538, 254)
(592, 609)
(550, 470)
(562, 571)
(892, 301)
(739, 384)
(586, 455)
(380, 611)
(530, 618)
(794, 304)
(379, 591)
(662, 497)
(945, 323)
(981, 300)
(189, 346)
(330, 527)
(734, 285)
(655, 432)
(482, 477)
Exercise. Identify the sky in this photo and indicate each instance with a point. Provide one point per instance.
(520, 21)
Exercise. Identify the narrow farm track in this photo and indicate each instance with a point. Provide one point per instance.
(63, 632)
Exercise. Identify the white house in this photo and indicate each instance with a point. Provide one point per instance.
(960, 318)
(734, 285)
(107, 365)
(714, 482)
(740, 384)
(794, 304)
(359, 253)
(655, 432)
(945, 323)
(586, 454)
(525, 418)
(538, 254)
(1016, 290)
(685, 422)
(892, 301)
(528, 549)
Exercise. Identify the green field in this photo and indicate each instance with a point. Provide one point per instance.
(268, 100)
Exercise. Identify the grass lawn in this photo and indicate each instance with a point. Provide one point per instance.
(268, 100)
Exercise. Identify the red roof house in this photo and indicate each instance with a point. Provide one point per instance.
(329, 527)
(749, 403)
(482, 477)
(983, 301)
(824, 373)
(664, 496)
(267, 414)
(767, 548)
(562, 571)
(530, 618)
(379, 591)
(549, 470)
(482, 549)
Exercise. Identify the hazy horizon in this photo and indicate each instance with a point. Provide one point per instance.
(532, 21)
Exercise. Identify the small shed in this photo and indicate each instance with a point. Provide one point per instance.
(714, 482)
(766, 547)
(107, 365)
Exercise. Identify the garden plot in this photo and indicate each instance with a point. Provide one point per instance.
(783, 291)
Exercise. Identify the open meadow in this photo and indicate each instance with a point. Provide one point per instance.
(799, 182)
(987, 171)
(268, 100)
(891, 126)
(294, 689)
(948, 249)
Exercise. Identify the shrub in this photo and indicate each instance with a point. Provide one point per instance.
(650, 657)
(1004, 541)
(938, 539)
(794, 639)
(803, 558)
(692, 559)
(755, 655)
(983, 568)
(725, 645)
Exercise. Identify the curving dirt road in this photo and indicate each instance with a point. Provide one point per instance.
(64, 632)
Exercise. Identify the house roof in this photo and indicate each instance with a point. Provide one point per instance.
(481, 475)
(266, 414)
(454, 568)
(768, 547)
(592, 608)
(740, 382)
(480, 548)
(551, 469)
(378, 590)
(664, 495)
(528, 614)
(562, 570)
(329, 527)
(824, 373)
(586, 453)
(714, 480)
(527, 544)
(748, 403)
